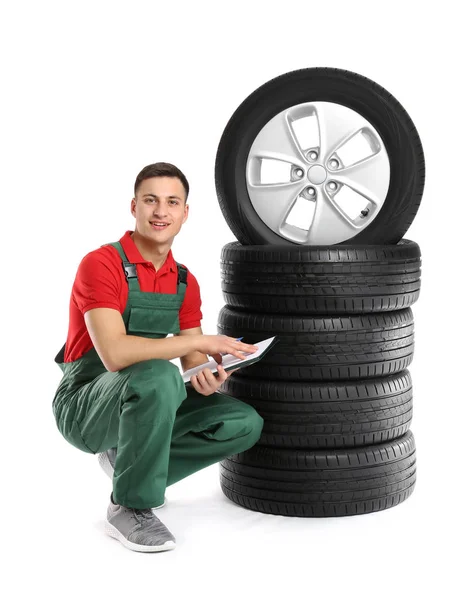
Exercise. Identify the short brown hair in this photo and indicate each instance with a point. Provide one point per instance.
(161, 169)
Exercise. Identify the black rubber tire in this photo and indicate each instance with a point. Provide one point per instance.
(322, 483)
(321, 279)
(327, 415)
(355, 91)
(323, 348)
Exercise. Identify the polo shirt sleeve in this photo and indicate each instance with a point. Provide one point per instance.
(96, 284)
(190, 311)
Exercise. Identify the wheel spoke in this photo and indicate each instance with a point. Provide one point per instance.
(277, 141)
(335, 126)
(369, 177)
(329, 221)
(273, 202)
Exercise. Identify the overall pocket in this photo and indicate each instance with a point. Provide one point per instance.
(153, 323)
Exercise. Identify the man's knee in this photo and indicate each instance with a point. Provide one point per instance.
(256, 422)
(248, 419)
(250, 422)
(157, 378)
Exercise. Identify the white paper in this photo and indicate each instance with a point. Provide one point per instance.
(229, 360)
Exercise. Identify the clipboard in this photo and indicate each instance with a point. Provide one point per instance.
(231, 362)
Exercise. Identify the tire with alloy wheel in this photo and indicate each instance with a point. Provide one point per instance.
(321, 483)
(320, 156)
(322, 280)
(328, 414)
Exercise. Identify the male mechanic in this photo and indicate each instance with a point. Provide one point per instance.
(120, 396)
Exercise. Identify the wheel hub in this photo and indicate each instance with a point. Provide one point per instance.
(317, 174)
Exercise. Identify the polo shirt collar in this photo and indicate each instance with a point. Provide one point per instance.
(134, 256)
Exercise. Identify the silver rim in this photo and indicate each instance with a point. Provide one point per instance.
(334, 182)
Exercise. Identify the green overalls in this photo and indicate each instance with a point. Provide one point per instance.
(163, 429)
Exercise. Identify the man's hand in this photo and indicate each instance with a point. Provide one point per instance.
(206, 383)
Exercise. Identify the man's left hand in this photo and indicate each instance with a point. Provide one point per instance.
(206, 383)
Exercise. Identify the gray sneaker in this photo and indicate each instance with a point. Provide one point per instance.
(138, 529)
(107, 462)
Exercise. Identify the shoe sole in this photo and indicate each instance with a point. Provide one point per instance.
(107, 467)
(114, 533)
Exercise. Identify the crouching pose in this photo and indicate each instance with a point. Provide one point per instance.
(120, 396)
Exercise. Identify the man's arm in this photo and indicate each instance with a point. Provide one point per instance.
(118, 350)
(194, 358)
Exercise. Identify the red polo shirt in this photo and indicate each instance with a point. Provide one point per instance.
(101, 283)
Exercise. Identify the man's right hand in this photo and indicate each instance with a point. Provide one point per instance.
(216, 345)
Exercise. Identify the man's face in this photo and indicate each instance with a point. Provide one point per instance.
(160, 199)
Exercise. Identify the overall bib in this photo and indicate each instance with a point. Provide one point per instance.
(163, 429)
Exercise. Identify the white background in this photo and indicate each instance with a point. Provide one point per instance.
(91, 93)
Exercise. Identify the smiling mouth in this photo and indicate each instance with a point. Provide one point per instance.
(160, 226)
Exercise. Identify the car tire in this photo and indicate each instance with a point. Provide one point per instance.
(316, 280)
(321, 483)
(327, 415)
(321, 348)
(396, 183)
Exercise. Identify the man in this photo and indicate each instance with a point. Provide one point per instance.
(120, 396)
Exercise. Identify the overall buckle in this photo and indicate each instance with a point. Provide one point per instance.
(182, 275)
(129, 270)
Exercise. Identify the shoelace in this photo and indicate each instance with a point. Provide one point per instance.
(150, 523)
(144, 513)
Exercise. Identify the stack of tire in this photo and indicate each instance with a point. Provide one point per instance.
(334, 392)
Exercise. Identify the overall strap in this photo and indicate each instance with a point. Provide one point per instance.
(182, 279)
(130, 272)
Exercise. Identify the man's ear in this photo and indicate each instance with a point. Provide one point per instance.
(133, 206)
(187, 210)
